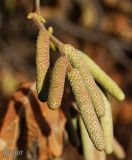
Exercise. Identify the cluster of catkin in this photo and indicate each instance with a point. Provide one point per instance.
(94, 107)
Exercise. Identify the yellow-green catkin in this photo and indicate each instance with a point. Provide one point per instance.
(86, 108)
(56, 88)
(42, 61)
(100, 155)
(102, 78)
(87, 145)
(90, 84)
(107, 126)
(118, 150)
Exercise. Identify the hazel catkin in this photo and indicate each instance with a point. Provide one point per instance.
(90, 84)
(56, 88)
(118, 150)
(42, 62)
(87, 145)
(107, 126)
(102, 78)
(86, 108)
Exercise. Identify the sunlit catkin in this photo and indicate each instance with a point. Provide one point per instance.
(42, 61)
(86, 108)
(118, 150)
(87, 145)
(100, 155)
(57, 83)
(102, 78)
(92, 89)
(107, 126)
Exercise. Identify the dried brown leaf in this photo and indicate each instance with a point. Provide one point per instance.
(41, 129)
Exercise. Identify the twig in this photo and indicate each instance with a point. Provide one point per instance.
(36, 6)
(36, 17)
(40, 25)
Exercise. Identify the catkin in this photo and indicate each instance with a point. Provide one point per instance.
(87, 145)
(107, 126)
(86, 108)
(102, 78)
(100, 155)
(42, 62)
(118, 150)
(91, 86)
(56, 88)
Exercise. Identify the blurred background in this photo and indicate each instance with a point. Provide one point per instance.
(101, 28)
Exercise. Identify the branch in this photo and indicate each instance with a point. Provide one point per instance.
(36, 6)
(38, 20)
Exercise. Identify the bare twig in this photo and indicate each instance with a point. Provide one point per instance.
(35, 16)
(36, 6)
(40, 25)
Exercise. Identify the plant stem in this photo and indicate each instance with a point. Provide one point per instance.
(34, 15)
(41, 26)
(36, 6)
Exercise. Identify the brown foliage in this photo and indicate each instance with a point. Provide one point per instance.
(29, 125)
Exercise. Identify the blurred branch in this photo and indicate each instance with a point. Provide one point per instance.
(99, 7)
(113, 45)
(116, 49)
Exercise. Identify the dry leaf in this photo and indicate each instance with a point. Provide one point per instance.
(41, 129)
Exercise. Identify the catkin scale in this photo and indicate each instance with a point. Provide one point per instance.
(56, 88)
(90, 84)
(42, 62)
(86, 109)
(102, 78)
(107, 126)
